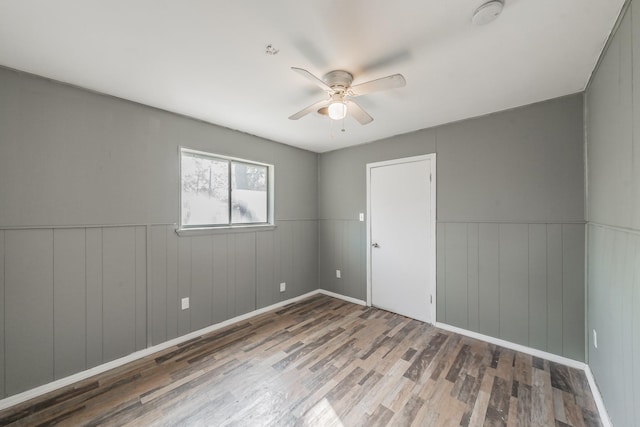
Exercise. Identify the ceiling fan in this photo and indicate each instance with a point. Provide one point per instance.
(339, 103)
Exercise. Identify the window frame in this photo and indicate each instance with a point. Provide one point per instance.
(230, 225)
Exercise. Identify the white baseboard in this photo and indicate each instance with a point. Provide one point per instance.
(513, 346)
(63, 382)
(342, 297)
(602, 410)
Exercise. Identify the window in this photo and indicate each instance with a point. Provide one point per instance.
(219, 191)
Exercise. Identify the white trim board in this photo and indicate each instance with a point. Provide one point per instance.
(602, 410)
(342, 297)
(63, 382)
(513, 346)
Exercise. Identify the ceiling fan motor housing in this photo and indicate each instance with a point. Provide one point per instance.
(338, 80)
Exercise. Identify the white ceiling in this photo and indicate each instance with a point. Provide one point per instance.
(206, 59)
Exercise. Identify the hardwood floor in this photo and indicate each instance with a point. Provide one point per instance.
(323, 361)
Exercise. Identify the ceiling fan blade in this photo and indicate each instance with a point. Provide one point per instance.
(312, 78)
(358, 113)
(384, 83)
(313, 107)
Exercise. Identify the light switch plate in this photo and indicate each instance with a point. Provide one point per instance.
(184, 303)
(361, 216)
(338, 274)
(283, 286)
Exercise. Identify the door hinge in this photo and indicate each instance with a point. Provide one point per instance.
(430, 178)
(431, 298)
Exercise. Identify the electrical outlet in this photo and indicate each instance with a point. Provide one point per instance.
(595, 339)
(283, 286)
(184, 303)
(338, 274)
(361, 217)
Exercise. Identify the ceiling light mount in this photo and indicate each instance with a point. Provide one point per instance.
(488, 12)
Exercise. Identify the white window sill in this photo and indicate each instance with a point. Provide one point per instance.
(183, 232)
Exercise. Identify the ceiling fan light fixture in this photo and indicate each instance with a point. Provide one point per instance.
(337, 110)
(337, 84)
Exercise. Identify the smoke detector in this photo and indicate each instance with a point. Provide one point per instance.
(488, 12)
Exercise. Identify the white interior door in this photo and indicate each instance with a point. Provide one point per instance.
(401, 236)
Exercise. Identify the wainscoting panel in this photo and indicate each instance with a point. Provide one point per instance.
(305, 259)
(537, 285)
(327, 256)
(74, 298)
(226, 275)
(554, 288)
(514, 283)
(184, 283)
(520, 282)
(221, 302)
(285, 249)
(473, 275)
(614, 298)
(441, 295)
(2, 311)
(69, 301)
(343, 245)
(245, 273)
(287, 254)
(488, 280)
(266, 269)
(172, 285)
(93, 268)
(202, 282)
(118, 291)
(141, 287)
(354, 259)
(456, 276)
(157, 296)
(29, 358)
(573, 291)
(528, 281)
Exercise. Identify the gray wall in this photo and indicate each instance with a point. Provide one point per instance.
(613, 153)
(510, 214)
(90, 267)
(71, 157)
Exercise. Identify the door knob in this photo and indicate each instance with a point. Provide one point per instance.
(375, 245)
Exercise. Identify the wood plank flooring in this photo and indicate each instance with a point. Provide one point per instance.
(324, 362)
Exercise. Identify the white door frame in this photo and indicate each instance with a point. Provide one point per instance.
(431, 280)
